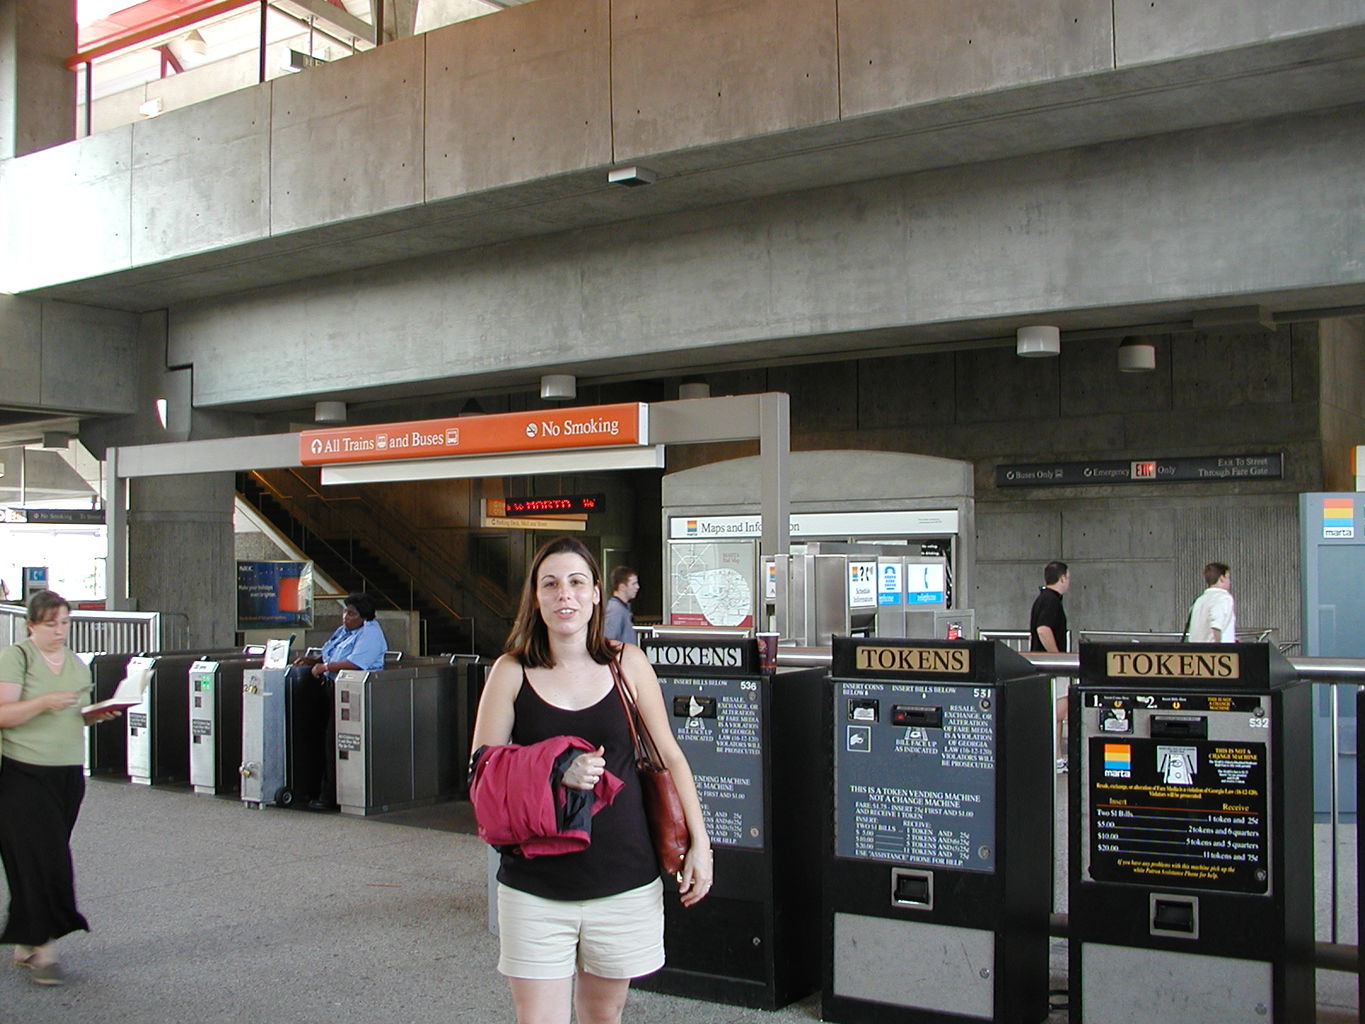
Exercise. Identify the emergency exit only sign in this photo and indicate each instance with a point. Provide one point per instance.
(1143, 471)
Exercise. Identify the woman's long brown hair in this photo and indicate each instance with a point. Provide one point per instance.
(528, 639)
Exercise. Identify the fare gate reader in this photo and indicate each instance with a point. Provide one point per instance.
(1191, 851)
(938, 869)
(275, 706)
(215, 708)
(158, 736)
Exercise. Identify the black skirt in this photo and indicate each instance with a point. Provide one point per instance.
(38, 808)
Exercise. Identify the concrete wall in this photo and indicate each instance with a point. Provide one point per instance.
(563, 85)
(1115, 232)
(37, 93)
(64, 357)
(180, 553)
(1343, 401)
(1136, 551)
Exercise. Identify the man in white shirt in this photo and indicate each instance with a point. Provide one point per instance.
(1213, 616)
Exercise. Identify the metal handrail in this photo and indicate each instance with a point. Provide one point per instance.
(408, 549)
(107, 632)
(412, 544)
(1246, 636)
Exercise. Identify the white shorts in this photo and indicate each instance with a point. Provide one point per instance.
(619, 936)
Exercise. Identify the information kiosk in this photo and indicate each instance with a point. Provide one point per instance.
(1191, 850)
(937, 877)
(753, 743)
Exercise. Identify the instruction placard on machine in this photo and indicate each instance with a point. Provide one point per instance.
(915, 774)
(1187, 811)
(719, 725)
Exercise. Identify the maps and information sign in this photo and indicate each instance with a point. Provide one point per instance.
(712, 583)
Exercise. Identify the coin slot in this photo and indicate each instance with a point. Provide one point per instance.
(912, 889)
(1176, 916)
(1180, 727)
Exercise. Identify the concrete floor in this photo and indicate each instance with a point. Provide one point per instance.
(204, 910)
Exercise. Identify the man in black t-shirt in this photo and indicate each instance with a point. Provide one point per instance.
(1047, 632)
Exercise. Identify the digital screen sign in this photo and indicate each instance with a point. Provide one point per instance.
(563, 505)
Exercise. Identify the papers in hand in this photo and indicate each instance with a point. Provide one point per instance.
(130, 691)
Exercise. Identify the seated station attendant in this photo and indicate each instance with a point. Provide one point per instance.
(357, 644)
(576, 927)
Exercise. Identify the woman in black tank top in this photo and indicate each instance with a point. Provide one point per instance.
(555, 680)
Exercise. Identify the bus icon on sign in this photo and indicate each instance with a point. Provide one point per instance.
(1142, 470)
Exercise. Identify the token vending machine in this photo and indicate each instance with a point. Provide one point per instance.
(938, 869)
(752, 740)
(1191, 836)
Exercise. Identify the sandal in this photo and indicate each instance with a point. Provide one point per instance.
(26, 962)
(47, 974)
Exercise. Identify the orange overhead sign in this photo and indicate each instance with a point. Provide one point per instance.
(590, 426)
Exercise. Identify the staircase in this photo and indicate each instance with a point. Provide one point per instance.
(455, 616)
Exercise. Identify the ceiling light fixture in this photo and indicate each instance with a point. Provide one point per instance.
(631, 177)
(1038, 341)
(1137, 354)
(329, 412)
(558, 387)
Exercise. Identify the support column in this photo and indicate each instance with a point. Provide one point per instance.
(37, 92)
(180, 552)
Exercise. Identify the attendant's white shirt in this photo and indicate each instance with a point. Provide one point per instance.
(1213, 609)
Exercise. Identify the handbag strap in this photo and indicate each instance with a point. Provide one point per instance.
(646, 752)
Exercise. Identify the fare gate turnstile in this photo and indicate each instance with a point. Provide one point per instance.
(396, 737)
(470, 672)
(279, 762)
(753, 743)
(1191, 850)
(107, 742)
(215, 709)
(158, 728)
(938, 870)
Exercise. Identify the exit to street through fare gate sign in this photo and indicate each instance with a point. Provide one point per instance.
(593, 426)
(1142, 471)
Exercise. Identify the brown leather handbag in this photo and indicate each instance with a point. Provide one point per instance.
(663, 808)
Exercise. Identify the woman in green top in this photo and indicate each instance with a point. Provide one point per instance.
(43, 686)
